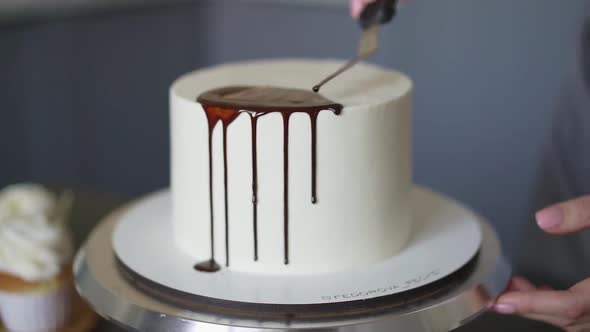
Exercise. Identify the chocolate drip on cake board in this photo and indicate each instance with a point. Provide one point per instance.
(225, 105)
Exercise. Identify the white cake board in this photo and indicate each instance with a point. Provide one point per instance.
(439, 306)
(445, 237)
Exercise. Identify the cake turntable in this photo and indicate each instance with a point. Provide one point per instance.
(446, 276)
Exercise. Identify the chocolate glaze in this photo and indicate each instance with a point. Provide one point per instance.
(313, 118)
(254, 125)
(225, 105)
(286, 117)
(208, 266)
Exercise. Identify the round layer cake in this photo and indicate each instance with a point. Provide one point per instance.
(345, 208)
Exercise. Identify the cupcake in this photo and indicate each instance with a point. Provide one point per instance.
(35, 255)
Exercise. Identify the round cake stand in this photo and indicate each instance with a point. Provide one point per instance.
(460, 298)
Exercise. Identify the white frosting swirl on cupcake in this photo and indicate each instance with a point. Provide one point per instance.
(34, 242)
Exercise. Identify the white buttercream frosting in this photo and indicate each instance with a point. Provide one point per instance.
(34, 242)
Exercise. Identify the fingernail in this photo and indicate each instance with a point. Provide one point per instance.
(550, 217)
(502, 308)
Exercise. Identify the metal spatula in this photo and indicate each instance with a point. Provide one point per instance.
(375, 14)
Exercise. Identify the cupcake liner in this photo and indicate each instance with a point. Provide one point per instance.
(40, 311)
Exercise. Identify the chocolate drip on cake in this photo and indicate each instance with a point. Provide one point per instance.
(313, 118)
(214, 115)
(286, 117)
(225, 105)
(254, 126)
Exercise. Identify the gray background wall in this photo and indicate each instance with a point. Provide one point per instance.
(84, 99)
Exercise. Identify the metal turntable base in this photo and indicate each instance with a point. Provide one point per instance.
(437, 307)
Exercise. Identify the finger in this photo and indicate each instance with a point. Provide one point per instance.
(583, 287)
(582, 327)
(567, 217)
(516, 284)
(545, 287)
(520, 284)
(566, 304)
(357, 6)
(551, 320)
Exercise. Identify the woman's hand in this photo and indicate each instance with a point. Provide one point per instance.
(357, 6)
(569, 309)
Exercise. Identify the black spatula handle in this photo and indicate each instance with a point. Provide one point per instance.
(378, 12)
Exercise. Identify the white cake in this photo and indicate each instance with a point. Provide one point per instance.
(363, 171)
